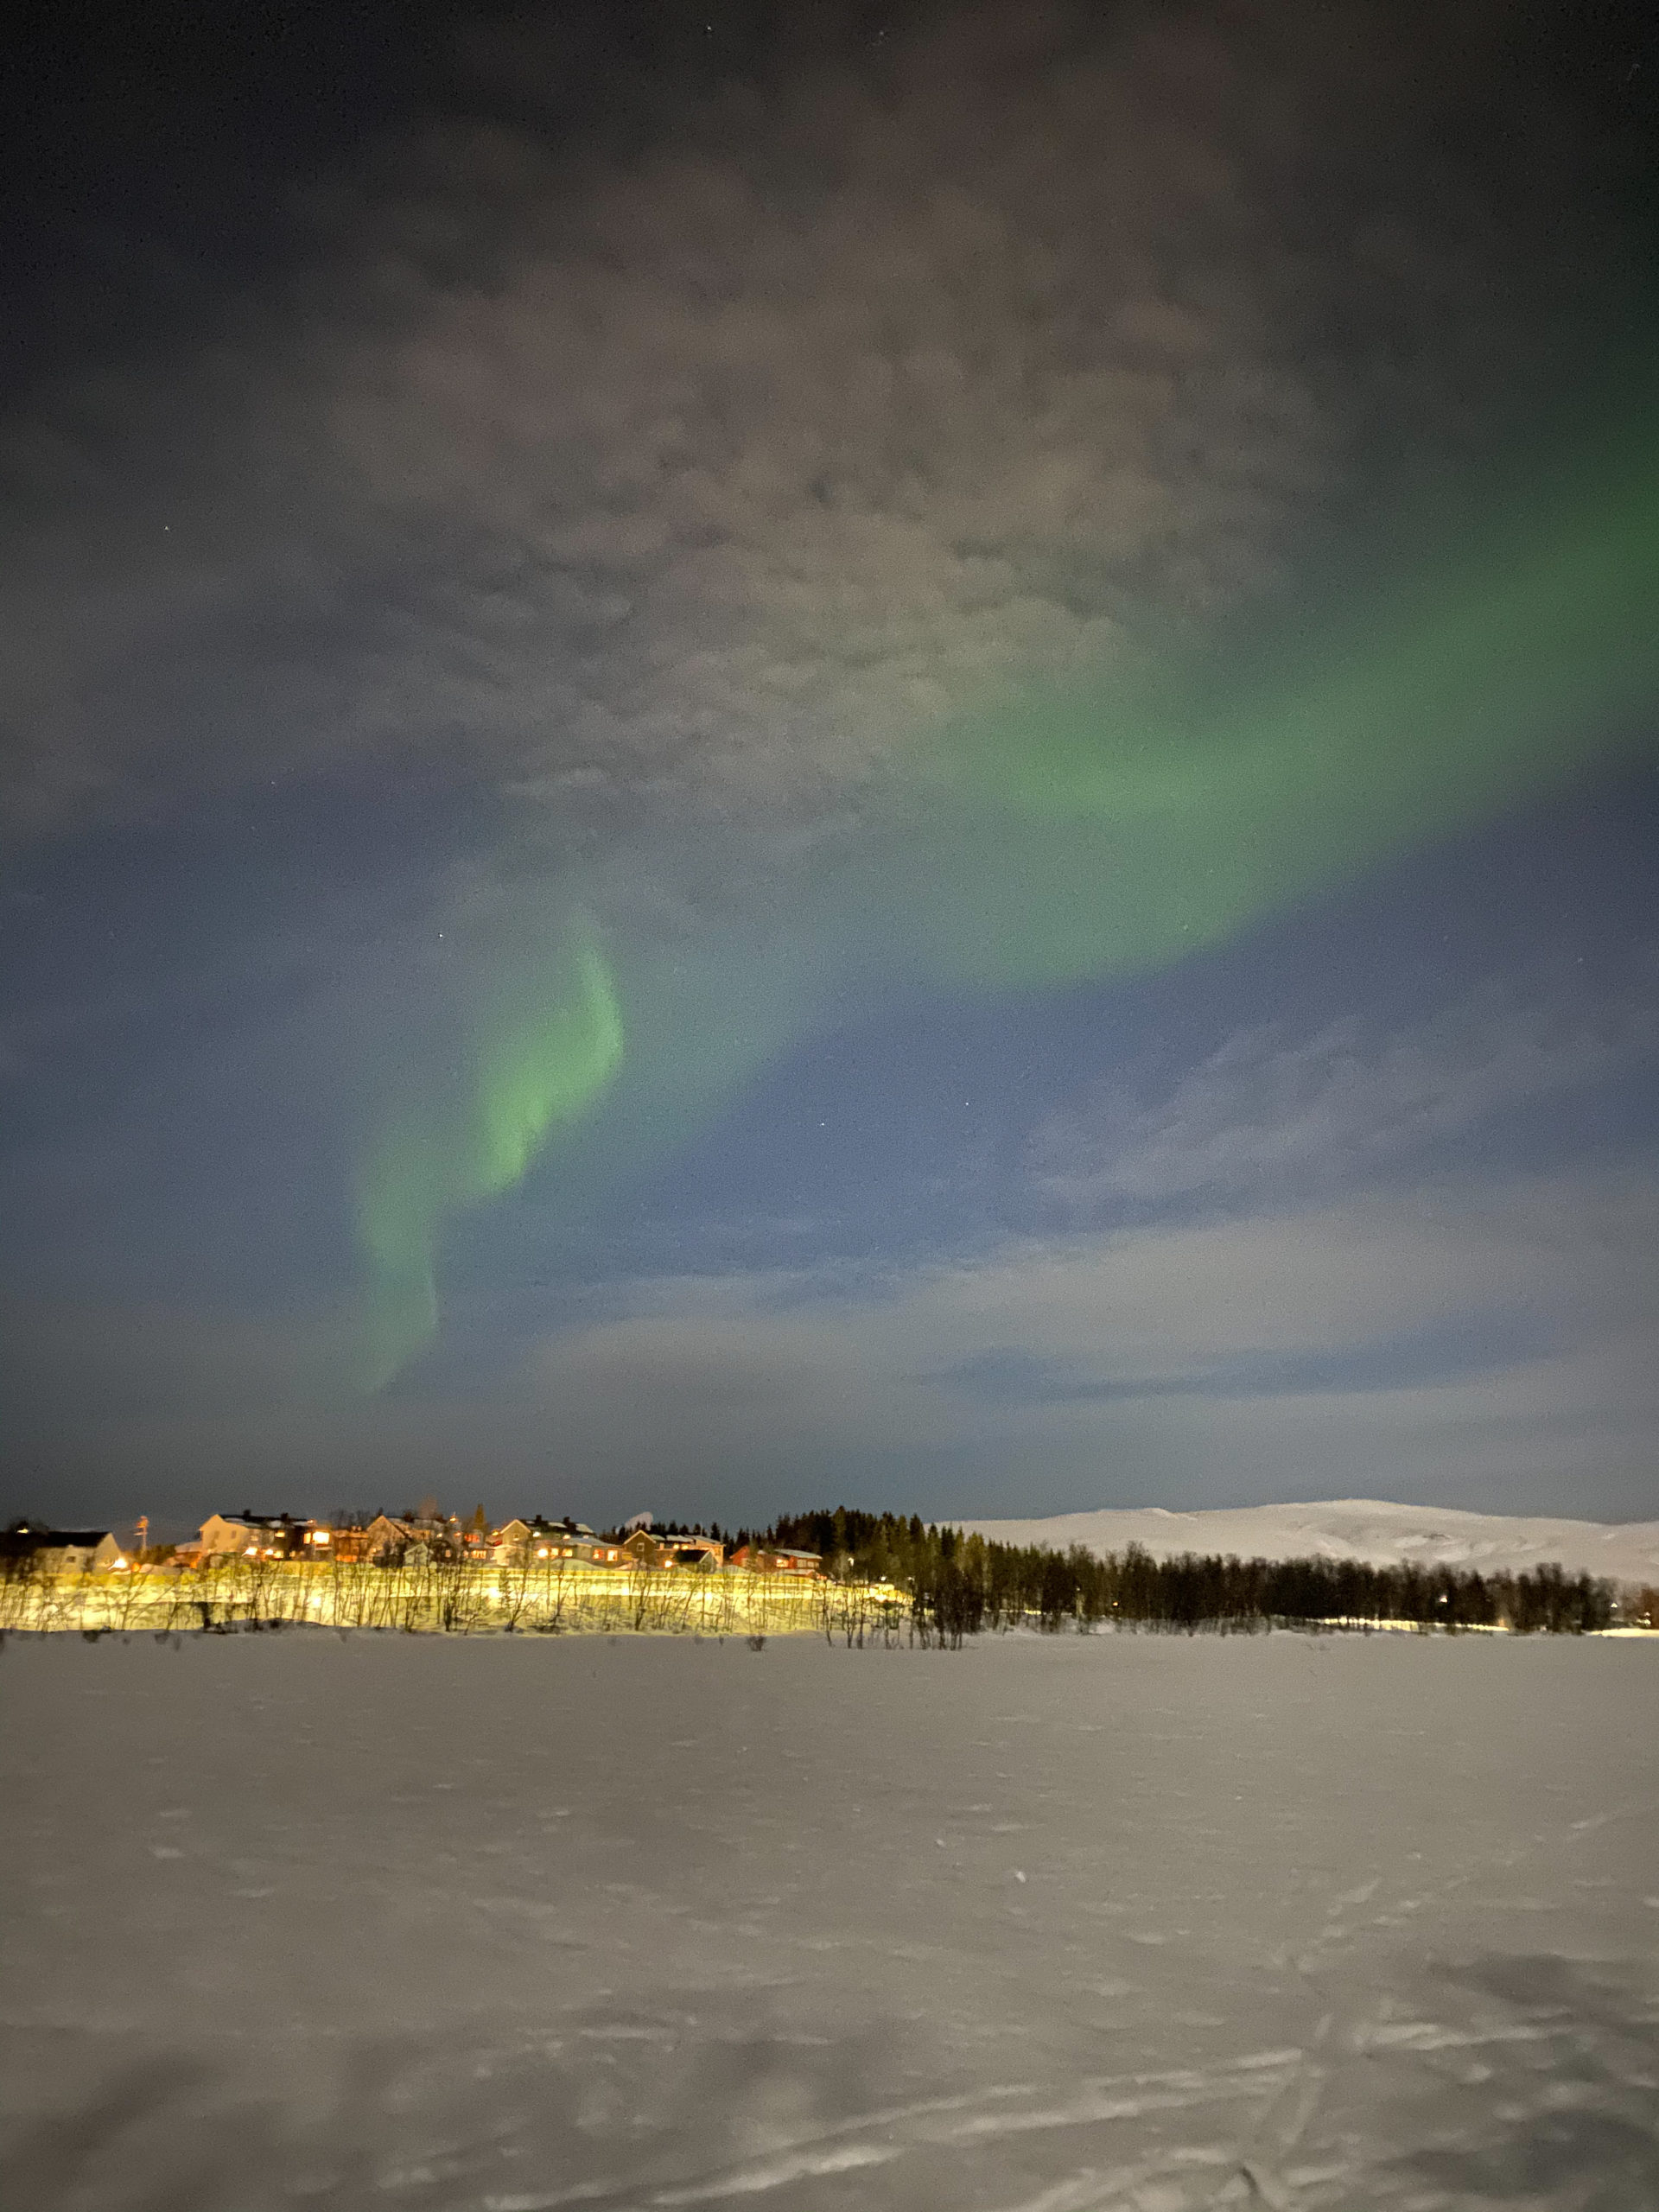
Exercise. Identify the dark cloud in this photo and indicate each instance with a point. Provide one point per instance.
(706, 443)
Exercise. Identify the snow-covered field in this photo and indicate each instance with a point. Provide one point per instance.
(1366, 1528)
(1042, 1926)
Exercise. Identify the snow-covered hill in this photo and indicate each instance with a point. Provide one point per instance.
(1356, 1527)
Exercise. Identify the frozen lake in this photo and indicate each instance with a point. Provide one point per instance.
(1042, 1926)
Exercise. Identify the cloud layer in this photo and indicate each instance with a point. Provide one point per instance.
(1495, 1347)
(1270, 1115)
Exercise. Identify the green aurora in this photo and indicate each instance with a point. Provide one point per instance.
(532, 1062)
(1119, 827)
(1099, 831)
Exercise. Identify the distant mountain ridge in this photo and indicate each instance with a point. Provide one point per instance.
(1370, 1530)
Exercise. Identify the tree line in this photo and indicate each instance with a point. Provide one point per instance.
(959, 1584)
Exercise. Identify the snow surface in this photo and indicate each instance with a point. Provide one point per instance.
(1356, 1527)
(1047, 1925)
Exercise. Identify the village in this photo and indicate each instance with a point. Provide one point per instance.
(425, 1571)
(426, 1536)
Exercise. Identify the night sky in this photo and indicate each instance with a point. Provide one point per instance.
(768, 755)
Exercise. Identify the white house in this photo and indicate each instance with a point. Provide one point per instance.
(253, 1536)
(69, 1551)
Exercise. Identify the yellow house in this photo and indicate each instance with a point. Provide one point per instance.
(543, 1543)
(647, 1549)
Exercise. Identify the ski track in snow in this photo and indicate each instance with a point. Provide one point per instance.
(1114, 1924)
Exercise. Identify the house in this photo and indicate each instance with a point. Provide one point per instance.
(31, 1544)
(254, 1536)
(391, 1541)
(776, 1558)
(540, 1542)
(647, 1548)
(347, 1545)
(84, 1551)
(407, 1539)
(517, 1539)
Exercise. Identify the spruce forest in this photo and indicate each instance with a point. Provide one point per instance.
(960, 1584)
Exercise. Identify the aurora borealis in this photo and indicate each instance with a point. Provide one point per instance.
(836, 760)
(1115, 828)
(1500, 664)
(526, 1070)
